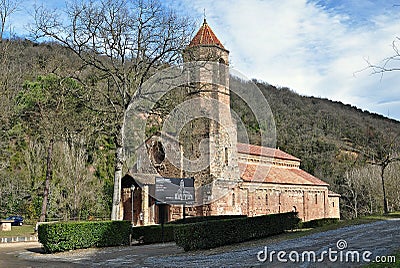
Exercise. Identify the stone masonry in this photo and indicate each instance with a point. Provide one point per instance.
(240, 179)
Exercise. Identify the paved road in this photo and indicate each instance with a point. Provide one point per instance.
(367, 240)
(331, 247)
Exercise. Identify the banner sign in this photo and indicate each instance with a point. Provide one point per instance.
(175, 190)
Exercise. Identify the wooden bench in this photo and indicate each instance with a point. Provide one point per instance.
(5, 225)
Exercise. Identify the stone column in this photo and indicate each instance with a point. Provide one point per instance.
(145, 204)
(304, 206)
(326, 204)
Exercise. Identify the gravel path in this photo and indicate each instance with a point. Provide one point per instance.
(374, 239)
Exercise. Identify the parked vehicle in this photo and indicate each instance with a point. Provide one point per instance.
(18, 220)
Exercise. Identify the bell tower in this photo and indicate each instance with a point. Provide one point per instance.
(216, 132)
(214, 77)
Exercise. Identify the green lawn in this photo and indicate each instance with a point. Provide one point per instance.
(24, 230)
(357, 221)
(384, 265)
(394, 214)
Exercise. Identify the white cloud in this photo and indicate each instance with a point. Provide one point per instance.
(313, 49)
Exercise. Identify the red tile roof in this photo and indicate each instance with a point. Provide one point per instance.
(264, 151)
(205, 36)
(278, 175)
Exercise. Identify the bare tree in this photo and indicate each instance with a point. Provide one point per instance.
(383, 164)
(49, 112)
(352, 190)
(77, 192)
(387, 153)
(392, 179)
(125, 42)
(358, 190)
(7, 8)
(389, 64)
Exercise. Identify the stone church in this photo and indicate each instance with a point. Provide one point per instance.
(240, 179)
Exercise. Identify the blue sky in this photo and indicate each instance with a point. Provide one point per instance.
(316, 48)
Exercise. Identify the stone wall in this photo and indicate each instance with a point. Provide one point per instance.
(309, 201)
(333, 206)
(213, 138)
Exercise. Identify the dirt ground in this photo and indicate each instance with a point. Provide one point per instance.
(345, 244)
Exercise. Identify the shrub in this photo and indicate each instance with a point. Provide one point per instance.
(153, 233)
(210, 234)
(206, 218)
(318, 222)
(62, 236)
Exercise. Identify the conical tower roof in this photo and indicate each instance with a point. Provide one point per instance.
(205, 36)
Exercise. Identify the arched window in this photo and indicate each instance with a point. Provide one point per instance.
(266, 199)
(158, 152)
(233, 200)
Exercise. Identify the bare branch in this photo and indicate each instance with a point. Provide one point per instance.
(389, 64)
(7, 8)
(125, 42)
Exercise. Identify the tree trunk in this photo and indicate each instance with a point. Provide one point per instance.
(355, 207)
(49, 174)
(115, 213)
(3, 22)
(385, 205)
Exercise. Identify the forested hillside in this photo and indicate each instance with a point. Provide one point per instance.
(338, 143)
(42, 121)
(314, 127)
(45, 111)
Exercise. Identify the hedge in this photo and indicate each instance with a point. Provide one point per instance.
(153, 233)
(206, 218)
(318, 222)
(210, 234)
(62, 236)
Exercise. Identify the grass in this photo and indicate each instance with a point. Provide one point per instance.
(24, 230)
(396, 264)
(394, 215)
